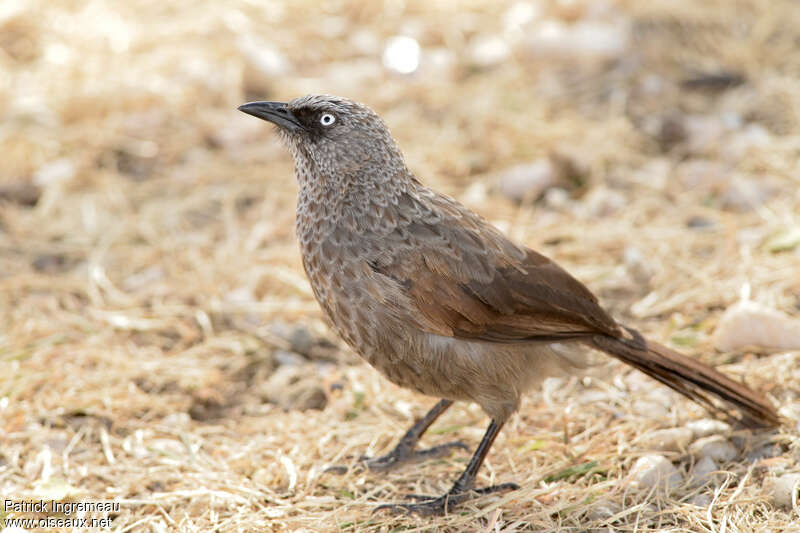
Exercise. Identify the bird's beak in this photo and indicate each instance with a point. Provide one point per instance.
(276, 112)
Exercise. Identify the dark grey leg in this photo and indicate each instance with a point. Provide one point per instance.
(404, 451)
(463, 486)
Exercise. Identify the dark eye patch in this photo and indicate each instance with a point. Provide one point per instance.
(310, 119)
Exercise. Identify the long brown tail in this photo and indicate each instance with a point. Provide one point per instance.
(691, 378)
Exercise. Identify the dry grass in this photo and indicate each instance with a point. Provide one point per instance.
(147, 256)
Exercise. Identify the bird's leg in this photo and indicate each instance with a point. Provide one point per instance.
(462, 488)
(404, 451)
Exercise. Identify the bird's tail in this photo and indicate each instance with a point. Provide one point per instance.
(691, 378)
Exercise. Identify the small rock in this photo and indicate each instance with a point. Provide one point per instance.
(295, 387)
(637, 266)
(784, 490)
(745, 194)
(655, 173)
(528, 181)
(715, 447)
(556, 198)
(748, 324)
(701, 500)
(282, 357)
(365, 41)
(667, 440)
(764, 452)
(704, 175)
(53, 263)
(488, 51)
(438, 62)
(602, 202)
(655, 471)
(739, 144)
(707, 426)
(57, 171)
(703, 471)
(704, 133)
(589, 39)
(301, 340)
(22, 193)
(168, 447)
(263, 63)
(649, 408)
(603, 510)
(401, 54)
(520, 14)
(177, 420)
(699, 222)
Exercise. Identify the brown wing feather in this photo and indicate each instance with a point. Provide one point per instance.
(472, 282)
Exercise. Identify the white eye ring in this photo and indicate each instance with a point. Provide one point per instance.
(327, 119)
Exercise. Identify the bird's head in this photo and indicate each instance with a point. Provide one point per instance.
(332, 137)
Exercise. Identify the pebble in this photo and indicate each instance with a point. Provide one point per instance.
(748, 324)
(282, 357)
(704, 175)
(263, 63)
(528, 181)
(57, 171)
(637, 265)
(667, 440)
(603, 510)
(401, 54)
(744, 194)
(601, 202)
(295, 387)
(655, 471)
(784, 491)
(707, 426)
(589, 39)
(488, 51)
(701, 500)
(301, 340)
(703, 471)
(21, 192)
(715, 447)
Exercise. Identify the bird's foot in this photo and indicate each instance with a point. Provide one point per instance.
(429, 506)
(400, 455)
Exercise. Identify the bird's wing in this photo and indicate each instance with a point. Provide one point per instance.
(467, 280)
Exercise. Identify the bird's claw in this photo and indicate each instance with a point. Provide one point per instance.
(440, 506)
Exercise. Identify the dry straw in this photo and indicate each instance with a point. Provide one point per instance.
(148, 268)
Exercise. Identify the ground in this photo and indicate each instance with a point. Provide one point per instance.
(160, 346)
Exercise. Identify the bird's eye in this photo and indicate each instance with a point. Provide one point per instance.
(327, 119)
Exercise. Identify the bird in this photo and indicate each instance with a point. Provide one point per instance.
(440, 301)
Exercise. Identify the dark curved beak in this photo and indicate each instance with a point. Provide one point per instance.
(276, 112)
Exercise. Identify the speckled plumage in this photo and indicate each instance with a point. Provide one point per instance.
(436, 298)
(374, 242)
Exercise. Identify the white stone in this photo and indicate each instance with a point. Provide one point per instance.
(528, 181)
(655, 471)
(707, 426)
(401, 54)
(748, 324)
(57, 171)
(600, 40)
(488, 51)
(263, 62)
(667, 440)
(784, 490)
(715, 447)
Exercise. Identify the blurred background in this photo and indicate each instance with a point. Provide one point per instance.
(159, 343)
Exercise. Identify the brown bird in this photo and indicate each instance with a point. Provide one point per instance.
(440, 301)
